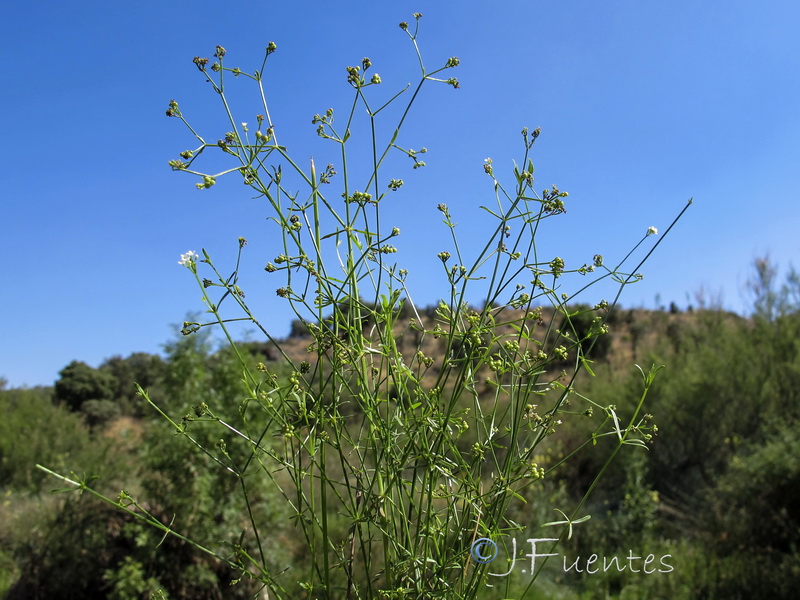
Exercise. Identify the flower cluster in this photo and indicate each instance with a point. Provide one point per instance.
(188, 259)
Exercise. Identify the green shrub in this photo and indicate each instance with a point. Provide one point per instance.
(78, 382)
(33, 431)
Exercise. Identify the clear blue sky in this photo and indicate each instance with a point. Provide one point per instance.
(641, 105)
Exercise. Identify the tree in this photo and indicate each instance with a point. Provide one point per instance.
(771, 301)
(78, 382)
(147, 370)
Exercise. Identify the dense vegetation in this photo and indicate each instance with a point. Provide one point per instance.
(719, 490)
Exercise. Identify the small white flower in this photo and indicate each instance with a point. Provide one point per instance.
(244, 126)
(488, 161)
(188, 259)
(652, 231)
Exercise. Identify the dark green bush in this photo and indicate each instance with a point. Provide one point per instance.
(78, 382)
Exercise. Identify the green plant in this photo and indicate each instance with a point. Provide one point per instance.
(79, 383)
(392, 464)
